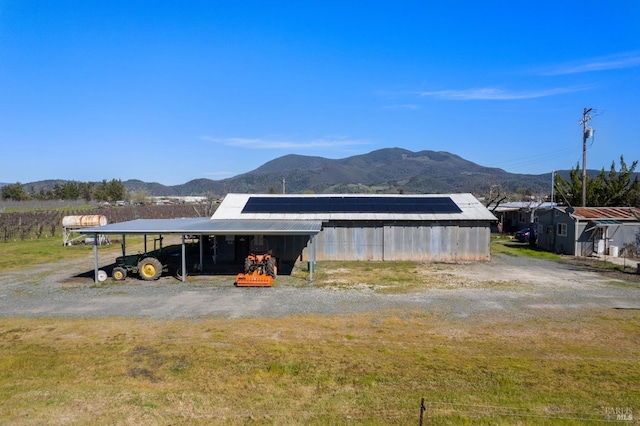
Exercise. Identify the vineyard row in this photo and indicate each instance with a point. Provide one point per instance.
(17, 226)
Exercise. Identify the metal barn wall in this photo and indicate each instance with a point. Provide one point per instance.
(350, 241)
(409, 242)
(398, 241)
(474, 242)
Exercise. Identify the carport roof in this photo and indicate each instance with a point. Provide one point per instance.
(206, 226)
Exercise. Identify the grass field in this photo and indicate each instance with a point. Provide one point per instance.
(353, 369)
(29, 253)
(371, 368)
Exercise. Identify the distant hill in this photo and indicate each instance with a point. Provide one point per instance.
(385, 170)
(389, 170)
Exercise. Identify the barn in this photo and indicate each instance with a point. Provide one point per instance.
(310, 228)
(425, 228)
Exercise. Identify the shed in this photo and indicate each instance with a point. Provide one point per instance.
(377, 227)
(587, 231)
(514, 216)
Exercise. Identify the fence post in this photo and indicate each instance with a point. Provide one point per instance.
(422, 410)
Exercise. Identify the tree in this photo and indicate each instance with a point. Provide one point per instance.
(497, 195)
(209, 205)
(86, 190)
(571, 190)
(613, 189)
(115, 190)
(70, 191)
(57, 192)
(618, 188)
(139, 197)
(14, 192)
(109, 191)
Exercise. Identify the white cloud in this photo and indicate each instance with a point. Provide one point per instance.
(495, 94)
(252, 143)
(602, 63)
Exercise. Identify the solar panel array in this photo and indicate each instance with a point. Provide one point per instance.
(429, 205)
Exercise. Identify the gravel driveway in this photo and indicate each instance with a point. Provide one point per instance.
(515, 286)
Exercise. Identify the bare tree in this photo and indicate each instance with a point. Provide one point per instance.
(208, 205)
(497, 195)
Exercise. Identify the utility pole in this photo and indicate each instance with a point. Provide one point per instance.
(586, 133)
(284, 183)
(553, 184)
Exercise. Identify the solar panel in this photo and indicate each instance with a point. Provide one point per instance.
(351, 205)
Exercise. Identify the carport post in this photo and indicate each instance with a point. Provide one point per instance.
(184, 261)
(312, 260)
(95, 258)
(201, 253)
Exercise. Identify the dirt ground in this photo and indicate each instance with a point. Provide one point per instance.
(514, 286)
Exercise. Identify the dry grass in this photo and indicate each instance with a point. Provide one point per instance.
(397, 277)
(349, 369)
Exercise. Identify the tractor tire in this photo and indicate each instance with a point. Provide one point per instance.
(248, 266)
(119, 273)
(179, 273)
(149, 269)
(271, 267)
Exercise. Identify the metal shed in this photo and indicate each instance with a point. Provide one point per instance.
(378, 227)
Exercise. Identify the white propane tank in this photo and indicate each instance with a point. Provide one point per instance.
(84, 221)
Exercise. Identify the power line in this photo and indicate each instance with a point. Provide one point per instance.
(536, 158)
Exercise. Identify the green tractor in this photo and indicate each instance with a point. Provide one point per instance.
(149, 266)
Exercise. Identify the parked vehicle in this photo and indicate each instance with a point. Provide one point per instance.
(259, 266)
(523, 235)
(148, 266)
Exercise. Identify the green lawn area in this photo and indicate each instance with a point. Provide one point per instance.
(511, 247)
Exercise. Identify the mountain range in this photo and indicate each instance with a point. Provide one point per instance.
(389, 170)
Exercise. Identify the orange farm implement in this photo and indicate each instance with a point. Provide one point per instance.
(259, 271)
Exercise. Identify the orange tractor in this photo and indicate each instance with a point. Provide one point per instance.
(259, 266)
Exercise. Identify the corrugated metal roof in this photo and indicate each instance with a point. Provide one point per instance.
(616, 213)
(233, 204)
(208, 226)
(520, 205)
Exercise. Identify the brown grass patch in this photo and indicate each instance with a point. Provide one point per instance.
(363, 368)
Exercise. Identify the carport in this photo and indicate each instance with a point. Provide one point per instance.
(205, 226)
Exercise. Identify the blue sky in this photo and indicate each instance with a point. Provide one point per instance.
(173, 91)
